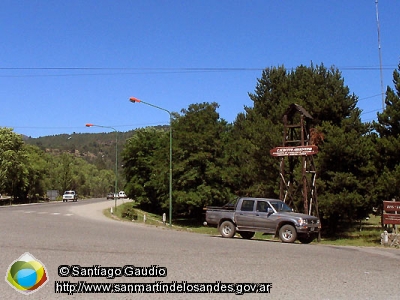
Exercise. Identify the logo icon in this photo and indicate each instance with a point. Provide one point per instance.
(26, 274)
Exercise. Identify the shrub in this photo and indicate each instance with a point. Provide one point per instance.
(129, 213)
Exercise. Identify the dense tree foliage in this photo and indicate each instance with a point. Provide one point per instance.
(199, 167)
(13, 163)
(145, 159)
(252, 171)
(346, 172)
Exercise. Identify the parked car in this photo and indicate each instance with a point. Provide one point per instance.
(110, 196)
(122, 195)
(271, 216)
(70, 195)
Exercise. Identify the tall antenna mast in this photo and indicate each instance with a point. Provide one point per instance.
(380, 54)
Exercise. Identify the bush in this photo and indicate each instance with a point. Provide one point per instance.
(129, 213)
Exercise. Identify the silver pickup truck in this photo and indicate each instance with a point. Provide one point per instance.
(271, 216)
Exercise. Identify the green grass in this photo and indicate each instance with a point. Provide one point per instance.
(364, 234)
(151, 219)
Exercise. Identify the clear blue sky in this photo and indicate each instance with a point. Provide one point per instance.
(68, 63)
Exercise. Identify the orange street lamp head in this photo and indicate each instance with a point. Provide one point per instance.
(133, 99)
(89, 125)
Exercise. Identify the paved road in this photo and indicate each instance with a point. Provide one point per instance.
(78, 234)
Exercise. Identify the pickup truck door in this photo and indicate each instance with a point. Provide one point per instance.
(245, 214)
(262, 220)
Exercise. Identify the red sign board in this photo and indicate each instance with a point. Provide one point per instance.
(294, 151)
(391, 219)
(391, 206)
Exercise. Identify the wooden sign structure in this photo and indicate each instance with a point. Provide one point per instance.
(299, 144)
(391, 213)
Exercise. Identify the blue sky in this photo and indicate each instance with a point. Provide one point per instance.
(68, 63)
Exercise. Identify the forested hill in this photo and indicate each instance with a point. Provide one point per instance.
(96, 148)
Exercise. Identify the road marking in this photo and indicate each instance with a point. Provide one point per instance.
(46, 212)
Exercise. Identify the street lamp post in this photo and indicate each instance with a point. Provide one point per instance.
(136, 100)
(116, 161)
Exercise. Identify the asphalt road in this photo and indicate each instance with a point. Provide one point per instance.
(79, 234)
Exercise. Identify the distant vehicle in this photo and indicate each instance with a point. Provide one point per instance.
(70, 195)
(110, 196)
(122, 195)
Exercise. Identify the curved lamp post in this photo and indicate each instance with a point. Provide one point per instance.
(116, 160)
(136, 100)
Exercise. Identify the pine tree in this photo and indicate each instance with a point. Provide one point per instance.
(388, 144)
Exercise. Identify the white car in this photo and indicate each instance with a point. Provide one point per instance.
(70, 195)
(122, 194)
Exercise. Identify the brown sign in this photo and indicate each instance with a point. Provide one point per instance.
(391, 206)
(391, 219)
(294, 151)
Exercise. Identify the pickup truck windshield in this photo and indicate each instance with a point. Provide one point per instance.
(280, 206)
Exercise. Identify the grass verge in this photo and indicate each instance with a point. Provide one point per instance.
(366, 234)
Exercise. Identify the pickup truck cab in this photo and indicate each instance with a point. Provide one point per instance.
(272, 216)
(70, 195)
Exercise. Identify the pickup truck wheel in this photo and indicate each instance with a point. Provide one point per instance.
(287, 234)
(227, 229)
(246, 234)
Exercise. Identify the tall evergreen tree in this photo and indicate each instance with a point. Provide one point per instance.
(199, 170)
(145, 158)
(388, 144)
(253, 172)
(389, 120)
